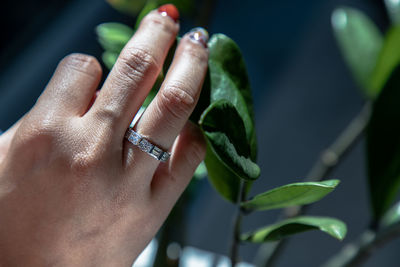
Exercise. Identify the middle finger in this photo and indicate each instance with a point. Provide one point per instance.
(135, 71)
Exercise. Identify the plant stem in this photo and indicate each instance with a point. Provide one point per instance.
(328, 160)
(356, 253)
(237, 224)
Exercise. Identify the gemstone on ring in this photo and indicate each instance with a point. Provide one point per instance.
(146, 146)
(134, 137)
(156, 152)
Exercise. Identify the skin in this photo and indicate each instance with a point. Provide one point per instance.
(73, 191)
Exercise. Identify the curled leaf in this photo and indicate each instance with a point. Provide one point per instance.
(224, 129)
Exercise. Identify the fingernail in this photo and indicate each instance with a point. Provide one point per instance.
(199, 35)
(169, 10)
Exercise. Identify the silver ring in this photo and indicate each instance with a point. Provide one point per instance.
(146, 146)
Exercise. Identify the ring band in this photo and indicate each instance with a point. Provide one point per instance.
(146, 146)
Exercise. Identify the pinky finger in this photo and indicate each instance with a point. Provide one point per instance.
(171, 179)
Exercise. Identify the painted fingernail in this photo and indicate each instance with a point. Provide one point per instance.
(199, 35)
(169, 10)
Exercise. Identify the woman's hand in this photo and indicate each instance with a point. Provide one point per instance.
(73, 190)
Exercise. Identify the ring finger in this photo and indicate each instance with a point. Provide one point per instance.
(169, 111)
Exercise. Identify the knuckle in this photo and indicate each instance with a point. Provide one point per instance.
(43, 127)
(136, 63)
(82, 63)
(39, 136)
(107, 114)
(177, 101)
(154, 20)
(86, 161)
(89, 154)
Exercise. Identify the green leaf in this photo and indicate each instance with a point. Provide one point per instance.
(150, 5)
(393, 9)
(224, 180)
(392, 216)
(383, 147)
(274, 232)
(225, 113)
(291, 195)
(225, 132)
(109, 59)
(247, 169)
(360, 42)
(389, 58)
(130, 7)
(113, 36)
(229, 81)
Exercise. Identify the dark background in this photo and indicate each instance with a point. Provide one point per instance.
(304, 97)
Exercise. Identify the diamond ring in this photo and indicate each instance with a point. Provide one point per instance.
(146, 146)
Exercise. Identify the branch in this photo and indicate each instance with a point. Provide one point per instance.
(237, 224)
(356, 253)
(328, 160)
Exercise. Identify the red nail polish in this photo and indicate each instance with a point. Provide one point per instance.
(169, 10)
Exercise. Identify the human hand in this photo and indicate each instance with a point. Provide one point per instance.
(73, 190)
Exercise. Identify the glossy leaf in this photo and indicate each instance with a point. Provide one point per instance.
(113, 36)
(393, 9)
(360, 42)
(221, 177)
(224, 180)
(389, 58)
(392, 216)
(225, 132)
(274, 232)
(291, 195)
(247, 169)
(383, 147)
(229, 81)
(228, 120)
(109, 59)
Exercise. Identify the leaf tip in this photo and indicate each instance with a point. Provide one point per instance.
(332, 183)
(339, 18)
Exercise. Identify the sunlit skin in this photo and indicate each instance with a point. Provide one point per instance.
(73, 191)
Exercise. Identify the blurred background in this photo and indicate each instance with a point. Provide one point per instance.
(303, 92)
